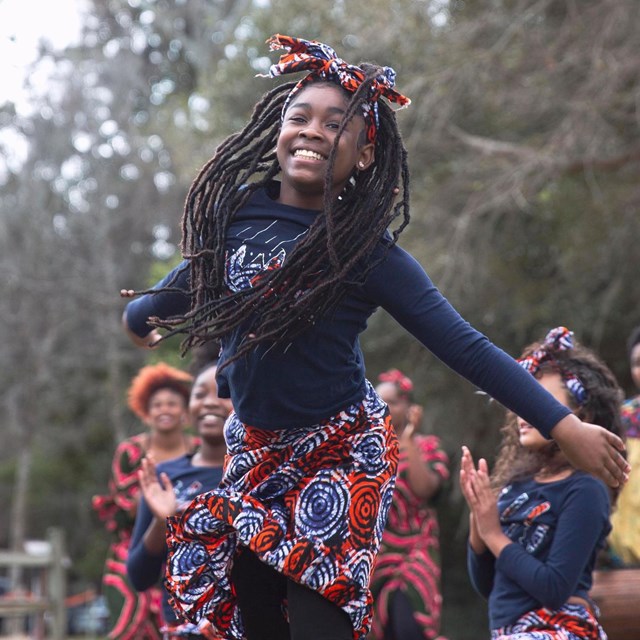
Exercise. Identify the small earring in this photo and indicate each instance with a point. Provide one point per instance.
(361, 165)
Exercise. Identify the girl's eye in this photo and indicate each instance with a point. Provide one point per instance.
(333, 125)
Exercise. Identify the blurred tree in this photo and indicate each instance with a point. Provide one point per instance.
(524, 147)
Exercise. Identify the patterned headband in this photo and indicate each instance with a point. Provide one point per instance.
(321, 61)
(558, 339)
(395, 376)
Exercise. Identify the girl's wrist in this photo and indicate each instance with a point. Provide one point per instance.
(496, 542)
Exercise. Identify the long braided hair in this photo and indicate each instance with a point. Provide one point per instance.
(330, 257)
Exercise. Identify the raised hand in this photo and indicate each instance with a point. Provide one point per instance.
(484, 522)
(467, 468)
(157, 491)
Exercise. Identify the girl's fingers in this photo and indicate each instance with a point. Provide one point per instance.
(467, 460)
(165, 482)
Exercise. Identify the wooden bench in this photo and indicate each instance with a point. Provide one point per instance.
(617, 594)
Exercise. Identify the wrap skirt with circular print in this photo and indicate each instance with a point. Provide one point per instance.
(311, 502)
(570, 622)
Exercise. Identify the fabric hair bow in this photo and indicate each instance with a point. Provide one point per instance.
(557, 340)
(395, 376)
(321, 61)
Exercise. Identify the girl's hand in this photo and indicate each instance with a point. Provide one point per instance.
(414, 419)
(146, 342)
(158, 492)
(482, 501)
(467, 469)
(415, 414)
(592, 449)
(485, 510)
(475, 539)
(484, 522)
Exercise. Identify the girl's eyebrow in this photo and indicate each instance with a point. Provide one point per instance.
(306, 105)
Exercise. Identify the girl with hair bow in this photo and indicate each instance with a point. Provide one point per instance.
(290, 244)
(538, 523)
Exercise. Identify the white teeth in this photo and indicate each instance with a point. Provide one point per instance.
(305, 153)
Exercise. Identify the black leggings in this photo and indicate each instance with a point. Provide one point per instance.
(402, 625)
(261, 591)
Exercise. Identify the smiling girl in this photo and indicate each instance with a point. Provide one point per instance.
(158, 395)
(167, 489)
(532, 550)
(285, 273)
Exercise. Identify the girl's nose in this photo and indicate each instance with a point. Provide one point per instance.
(310, 131)
(211, 400)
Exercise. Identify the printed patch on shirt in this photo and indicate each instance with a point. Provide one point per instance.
(242, 275)
(514, 506)
(537, 537)
(187, 493)
(537, 511)
(244, 266)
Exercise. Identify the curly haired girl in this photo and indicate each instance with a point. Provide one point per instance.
(532, 550)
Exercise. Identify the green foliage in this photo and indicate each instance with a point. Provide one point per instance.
(524, 147)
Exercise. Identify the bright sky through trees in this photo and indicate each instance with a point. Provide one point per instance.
(23, 25)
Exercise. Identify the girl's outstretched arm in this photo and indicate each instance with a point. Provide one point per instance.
(592, 449)
(401, 286)
(170, 298)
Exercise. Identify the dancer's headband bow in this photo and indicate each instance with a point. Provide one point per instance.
(321, 61)
(558, 339)
(396, 377)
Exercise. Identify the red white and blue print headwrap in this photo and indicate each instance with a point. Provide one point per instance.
(321, 61)
(557, 340)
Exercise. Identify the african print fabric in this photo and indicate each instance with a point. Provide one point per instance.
(133, 615)
(189, 631)
(625, 520)
(310, 502)
(630, 415)
(570, 622)
(409, 557)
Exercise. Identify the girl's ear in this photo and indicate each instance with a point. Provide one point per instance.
(366, 156)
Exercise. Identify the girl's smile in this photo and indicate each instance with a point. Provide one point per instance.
(208, 411)
(167, 410)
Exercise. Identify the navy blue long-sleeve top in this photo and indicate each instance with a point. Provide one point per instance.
(322, 371)
(557, 529)
(144, 568)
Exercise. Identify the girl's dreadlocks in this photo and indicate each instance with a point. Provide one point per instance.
(325, 262)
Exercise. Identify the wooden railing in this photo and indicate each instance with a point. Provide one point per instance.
(49, 597)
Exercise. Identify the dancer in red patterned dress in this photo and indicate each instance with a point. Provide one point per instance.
(406, 579)
(159, 396)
